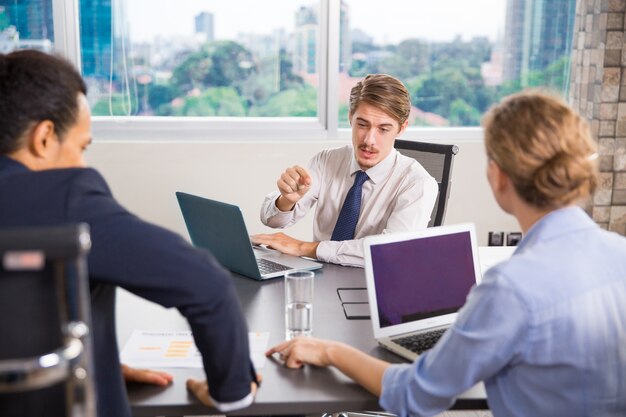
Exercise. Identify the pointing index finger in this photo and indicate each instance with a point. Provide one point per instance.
(279, 347)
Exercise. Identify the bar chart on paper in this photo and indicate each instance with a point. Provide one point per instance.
(176, 349)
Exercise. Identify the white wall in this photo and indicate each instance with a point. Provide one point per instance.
(144, 176)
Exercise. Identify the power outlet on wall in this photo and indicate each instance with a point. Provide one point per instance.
(513, 238)
(502, 239)
(496, 239)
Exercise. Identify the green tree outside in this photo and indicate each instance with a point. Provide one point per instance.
(224, 79)
(300, 102)
(160, 94)
(218, 101)
(118, 105)
(463, 114)
(217, 64)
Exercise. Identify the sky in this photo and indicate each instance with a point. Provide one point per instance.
(388, 21)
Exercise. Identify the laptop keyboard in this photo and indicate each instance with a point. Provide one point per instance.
(267, 267)
(420, 342)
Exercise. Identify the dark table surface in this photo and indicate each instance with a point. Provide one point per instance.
(284, 391)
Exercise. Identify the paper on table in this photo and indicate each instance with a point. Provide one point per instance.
(166, 349)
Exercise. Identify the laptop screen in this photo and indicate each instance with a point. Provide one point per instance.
(423, 277)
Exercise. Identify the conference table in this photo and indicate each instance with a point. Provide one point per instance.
(309, 390)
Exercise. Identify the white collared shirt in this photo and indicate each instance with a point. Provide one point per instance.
(398, 197)
(235, 405)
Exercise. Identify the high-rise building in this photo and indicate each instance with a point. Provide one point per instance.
(205, 26)
(32, 18)
(9, 40)
(345, 38)
(513, 39)
(4, 19)
(33, 22)
(95, 37)
(305, 38)
(307, 34)
(537, 34)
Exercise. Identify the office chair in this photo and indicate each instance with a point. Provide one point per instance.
(437, 159)
(45, 346)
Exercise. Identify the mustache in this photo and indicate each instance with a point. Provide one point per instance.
(367, 148)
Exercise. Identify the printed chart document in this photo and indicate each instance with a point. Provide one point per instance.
(167, 349)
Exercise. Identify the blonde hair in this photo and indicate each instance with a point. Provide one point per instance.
(384, 92)
(544, 146)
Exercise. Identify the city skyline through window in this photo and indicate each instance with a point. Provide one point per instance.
(206, 58)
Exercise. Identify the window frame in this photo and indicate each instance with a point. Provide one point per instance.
(221, 129)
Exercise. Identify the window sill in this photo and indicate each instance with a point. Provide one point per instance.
(156, 129)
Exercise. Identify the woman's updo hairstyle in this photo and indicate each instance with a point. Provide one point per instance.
(544, 146)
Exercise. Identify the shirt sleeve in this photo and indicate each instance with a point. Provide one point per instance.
(271, 216)
(161, 266)
(345, 252)
(235, 405)
(413, 206)
(487, 335)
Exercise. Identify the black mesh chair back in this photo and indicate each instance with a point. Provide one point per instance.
(437, 159)
(45, 348)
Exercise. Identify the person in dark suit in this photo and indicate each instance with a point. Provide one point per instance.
(44, 130)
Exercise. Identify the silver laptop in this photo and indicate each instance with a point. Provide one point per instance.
(220, 228)
(416, 283)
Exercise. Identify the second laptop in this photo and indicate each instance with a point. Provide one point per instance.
(220, 228)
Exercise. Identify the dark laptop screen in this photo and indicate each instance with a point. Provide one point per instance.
(421, 278)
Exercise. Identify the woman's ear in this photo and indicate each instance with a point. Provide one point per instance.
(500, 179)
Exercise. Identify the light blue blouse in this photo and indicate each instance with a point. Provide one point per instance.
(545, 331)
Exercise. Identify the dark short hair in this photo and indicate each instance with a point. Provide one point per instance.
(34, 87)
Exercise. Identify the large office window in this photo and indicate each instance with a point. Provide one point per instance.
(201, 58)
(456, 57)
(290, 61)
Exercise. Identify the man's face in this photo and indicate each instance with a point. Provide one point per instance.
(373, 134)
(69, 152)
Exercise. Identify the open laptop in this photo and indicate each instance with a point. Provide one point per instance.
(416, 283)
(220, 228)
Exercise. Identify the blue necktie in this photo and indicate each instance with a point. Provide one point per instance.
(349, 214)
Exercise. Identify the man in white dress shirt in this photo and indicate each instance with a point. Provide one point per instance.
(398, 194)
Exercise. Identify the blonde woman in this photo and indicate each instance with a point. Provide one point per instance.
(545, 330)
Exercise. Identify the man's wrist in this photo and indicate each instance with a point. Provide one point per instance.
(283, 204)
(309, 249)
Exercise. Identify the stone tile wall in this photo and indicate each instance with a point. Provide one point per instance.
(598, 91)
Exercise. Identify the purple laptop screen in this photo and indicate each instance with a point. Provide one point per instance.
(421, 278)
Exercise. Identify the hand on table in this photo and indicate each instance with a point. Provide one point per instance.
(286, 244)
(146, 376)
(303, 351)
(361, 367)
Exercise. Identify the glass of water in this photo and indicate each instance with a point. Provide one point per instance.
(298, 303)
